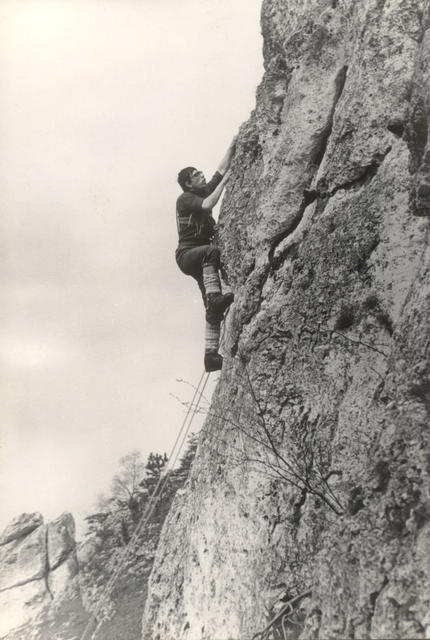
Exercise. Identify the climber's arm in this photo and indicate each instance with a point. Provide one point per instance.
(209, 202)
(225, 162)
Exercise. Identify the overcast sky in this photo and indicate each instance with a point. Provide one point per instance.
(102, 102)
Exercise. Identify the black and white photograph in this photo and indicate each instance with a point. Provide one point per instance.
(215, 320)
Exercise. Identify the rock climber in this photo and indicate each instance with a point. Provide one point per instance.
(196, 254)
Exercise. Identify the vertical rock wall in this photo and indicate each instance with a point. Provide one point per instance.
(312, 474)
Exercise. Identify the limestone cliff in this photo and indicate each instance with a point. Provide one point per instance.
(311, 480)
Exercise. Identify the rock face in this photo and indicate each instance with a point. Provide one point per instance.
(21, 526)
(311, 481)
(39, 590)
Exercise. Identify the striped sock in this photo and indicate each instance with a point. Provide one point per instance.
(212, 334)
(211, 279)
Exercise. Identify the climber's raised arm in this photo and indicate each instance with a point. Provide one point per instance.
(211, 200)
(225, 162)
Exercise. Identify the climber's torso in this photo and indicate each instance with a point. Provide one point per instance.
(195, 225)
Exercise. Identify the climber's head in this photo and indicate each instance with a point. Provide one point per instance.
(191, 178)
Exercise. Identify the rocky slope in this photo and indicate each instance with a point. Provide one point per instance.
(311, 480)
(49, 583)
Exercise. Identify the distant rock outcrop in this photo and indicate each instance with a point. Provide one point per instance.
(311, 480)
(39, 590)
(21, 526)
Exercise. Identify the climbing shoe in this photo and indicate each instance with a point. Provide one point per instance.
(217, 305)
(213, 361)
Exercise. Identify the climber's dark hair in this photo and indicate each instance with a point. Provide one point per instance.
(184, 176)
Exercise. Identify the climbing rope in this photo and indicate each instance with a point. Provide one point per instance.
(89, 634)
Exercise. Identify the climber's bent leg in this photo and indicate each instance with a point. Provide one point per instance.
(190, 261)
(217, 303)
(203, 263)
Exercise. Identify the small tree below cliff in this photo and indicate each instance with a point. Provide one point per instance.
(126, 484)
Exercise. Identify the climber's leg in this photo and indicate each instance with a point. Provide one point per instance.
(203, 263)
(190, 261)
(217, 303)
(213, 361)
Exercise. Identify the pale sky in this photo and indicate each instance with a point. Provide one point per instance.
(102, 102)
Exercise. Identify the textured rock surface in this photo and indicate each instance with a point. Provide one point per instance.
(20, 606)
(21, 526)
(39, 589)
(23, 560)
(61, 539)
(312, 472)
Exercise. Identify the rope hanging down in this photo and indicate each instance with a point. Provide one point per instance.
(89, 634)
